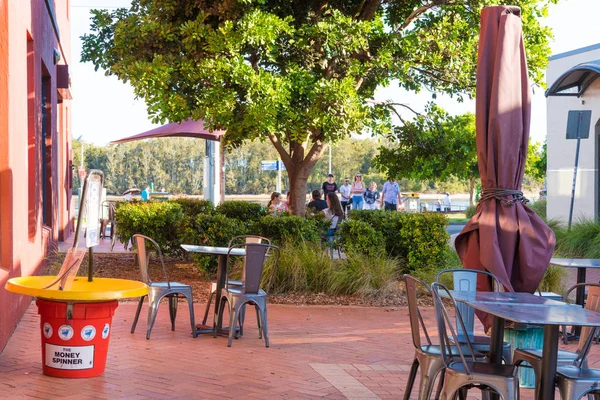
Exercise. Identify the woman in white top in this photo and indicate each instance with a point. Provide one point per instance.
(358, 190)
(333, 212)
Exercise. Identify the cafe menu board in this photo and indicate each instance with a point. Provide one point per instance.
(93, 195)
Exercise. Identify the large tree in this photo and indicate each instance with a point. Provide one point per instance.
(433, 146)
(298, 73)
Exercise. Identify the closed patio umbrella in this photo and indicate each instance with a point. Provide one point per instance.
(504, 237)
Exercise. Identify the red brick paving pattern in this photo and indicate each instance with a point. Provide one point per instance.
(371, 346)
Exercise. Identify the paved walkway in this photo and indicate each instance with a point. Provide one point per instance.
(316, 352)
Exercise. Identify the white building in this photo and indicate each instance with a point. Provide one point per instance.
(573, 87)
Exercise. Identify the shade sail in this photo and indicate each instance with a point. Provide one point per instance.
(504, 237)
(189, 128)
(576, 80)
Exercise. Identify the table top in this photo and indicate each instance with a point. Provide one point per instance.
(239, 251)
(524, 299)
(527, 308)
(576, 262)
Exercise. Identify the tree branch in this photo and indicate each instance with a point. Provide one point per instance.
(315, 153)
(285, 156)
(421, 10)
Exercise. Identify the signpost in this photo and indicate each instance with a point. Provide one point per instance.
(274, 165)
(578, 127)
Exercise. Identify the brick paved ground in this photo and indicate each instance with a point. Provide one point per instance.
(316, 352)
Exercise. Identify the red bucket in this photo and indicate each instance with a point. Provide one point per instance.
(75, 345)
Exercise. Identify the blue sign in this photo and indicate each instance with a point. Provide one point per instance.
(281, 165)
(268, 165)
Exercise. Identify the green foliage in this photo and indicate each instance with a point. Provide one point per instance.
(419, 239)
(554, 280)
(359, 237)
(159, 220)
(213, 230)
(539, 207)
(242, 210)
(303, 267)
(297, 73)
(282, 228)
(582, 241)
(364, 274)
(470, 211)
(194, 207)
(433, 146)
(428, 274)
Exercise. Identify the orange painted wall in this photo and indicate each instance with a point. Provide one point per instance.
(23, 250)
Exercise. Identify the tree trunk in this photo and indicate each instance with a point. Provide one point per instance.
(298, 181)
(471, 190)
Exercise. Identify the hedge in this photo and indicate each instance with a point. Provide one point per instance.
(417, 240)
(420, 239)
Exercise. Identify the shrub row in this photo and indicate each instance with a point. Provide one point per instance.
(419, 239)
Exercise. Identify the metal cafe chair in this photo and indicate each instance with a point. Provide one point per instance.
(250, 292)
(158, 290)
(565, 358)
(213, 284)
(428, 357)
(466, 280)
(467, 373)
(574, 381)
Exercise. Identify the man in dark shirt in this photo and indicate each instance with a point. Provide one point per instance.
(329, 186)
(317, 204)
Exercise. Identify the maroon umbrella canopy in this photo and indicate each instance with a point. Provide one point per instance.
(189, 128)
(504, 237)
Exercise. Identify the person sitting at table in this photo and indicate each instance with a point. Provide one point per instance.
(333, 212)
(274, 203)
(317, 204)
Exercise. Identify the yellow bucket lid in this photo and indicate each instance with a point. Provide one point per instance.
(101, 289)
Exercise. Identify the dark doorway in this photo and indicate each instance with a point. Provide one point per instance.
(46, 148)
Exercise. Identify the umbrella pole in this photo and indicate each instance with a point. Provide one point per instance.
(575, 170)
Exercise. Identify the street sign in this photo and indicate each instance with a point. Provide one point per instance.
(268, 165)
(280, 165)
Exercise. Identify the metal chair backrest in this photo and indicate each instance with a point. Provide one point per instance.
(254, 262)
(444, 323)
(416, 320)
(248, 239)
(465, 280)
(144, 257)
(592, 303)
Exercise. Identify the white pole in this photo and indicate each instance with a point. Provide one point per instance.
(329, 158)
(278, 185)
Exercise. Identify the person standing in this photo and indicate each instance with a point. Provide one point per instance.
(447, 202)
(371, 197)
(358, 190)
(390, 195)
(329, 186)
(345, 191)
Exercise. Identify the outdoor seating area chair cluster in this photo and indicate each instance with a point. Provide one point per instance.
(237, 294)
(463, 361)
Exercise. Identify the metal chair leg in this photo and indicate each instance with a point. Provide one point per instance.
(137, 314)
(152, 311)
(258, 322)
(265, 328)
(438, 392)
(173, 309)
(219, 322)
(411, 379)
(210, 299)
(192, 319)
(233, 315)
(241, 318)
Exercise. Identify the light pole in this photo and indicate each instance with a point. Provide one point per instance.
(329, 159)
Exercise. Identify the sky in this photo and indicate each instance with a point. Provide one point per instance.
(105, 109)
